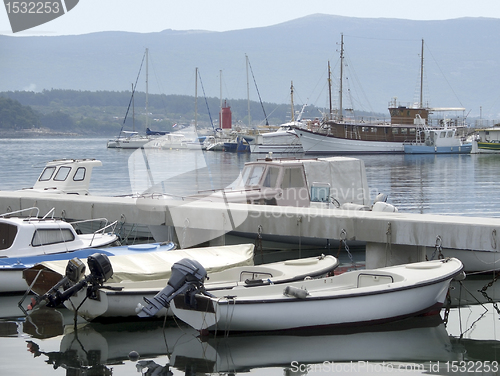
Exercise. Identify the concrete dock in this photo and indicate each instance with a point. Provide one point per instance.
(391, 238)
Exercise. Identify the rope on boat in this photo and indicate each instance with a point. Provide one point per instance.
(388, 243)
(258, 243)
(438, 249)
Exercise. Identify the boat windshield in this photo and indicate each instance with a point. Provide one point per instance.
(271, 177)
(47, 174)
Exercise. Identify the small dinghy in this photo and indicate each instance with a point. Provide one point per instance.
(352, 298)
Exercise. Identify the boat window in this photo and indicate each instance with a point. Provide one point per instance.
(320, 193)
(293, 178)
(80, 174)
(403, 130)
(442, 135)
(47, 174)
(52, 236)
(395, 130)
(271, 177)
(244, 176)
(8, 233)
(449, 134)
(412, 131)
(255, 176)
(62, 173)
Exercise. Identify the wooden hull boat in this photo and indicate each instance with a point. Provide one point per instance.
(122, 299)
(353, 298)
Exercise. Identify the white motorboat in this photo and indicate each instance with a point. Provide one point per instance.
(69, 176)
(436, 140)
(27, 240)
(352, 298)
(284, 139)
(34, 235)
(122, 299)
(333, 183)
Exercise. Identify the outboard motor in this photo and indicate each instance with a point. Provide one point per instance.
(186, 275)
(100, 271)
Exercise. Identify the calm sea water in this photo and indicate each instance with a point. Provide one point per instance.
(48, 344)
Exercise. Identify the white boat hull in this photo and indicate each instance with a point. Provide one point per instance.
(316, 143)
(331, 301)
(122, 301)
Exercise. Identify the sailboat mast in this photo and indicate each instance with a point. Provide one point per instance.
(220, 106)
(133, 108)
(248, 93)
(196, 100)
(330, 90)
(147, 91)
(291, 101)
(422, 76)
(341, 75)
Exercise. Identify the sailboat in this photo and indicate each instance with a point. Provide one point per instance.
(345, 136)
(132, 139)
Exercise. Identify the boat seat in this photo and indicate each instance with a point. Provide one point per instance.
(250, 276)
(366, 280)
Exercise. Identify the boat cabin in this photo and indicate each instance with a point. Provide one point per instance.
(70, 176)
(318, 182)
(32, 235)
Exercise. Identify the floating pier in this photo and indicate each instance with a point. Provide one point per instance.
(391, 238)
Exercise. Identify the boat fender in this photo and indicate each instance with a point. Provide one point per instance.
(380, 206)
(295, 292)
(460, 276)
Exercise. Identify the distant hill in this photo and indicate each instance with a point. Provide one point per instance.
(462, 61)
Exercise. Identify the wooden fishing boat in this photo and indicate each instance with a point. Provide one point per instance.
(352, 298)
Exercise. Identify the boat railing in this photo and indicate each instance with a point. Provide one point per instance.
(21, 211)
(108, 227)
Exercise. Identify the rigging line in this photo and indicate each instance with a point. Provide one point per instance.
(357, 81)
(162, 97)
(205, 96)
(133, 92)
(456, 96)
(258, 93)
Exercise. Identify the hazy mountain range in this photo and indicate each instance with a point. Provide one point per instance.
(461, 60)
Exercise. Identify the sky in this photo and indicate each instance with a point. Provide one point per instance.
(145, 16)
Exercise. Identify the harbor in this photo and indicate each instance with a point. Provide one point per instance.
(450, 196)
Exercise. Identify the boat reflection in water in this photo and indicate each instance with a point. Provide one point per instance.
(171, 348)
(97, 347)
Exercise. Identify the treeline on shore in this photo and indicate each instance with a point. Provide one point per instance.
(103, 112)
